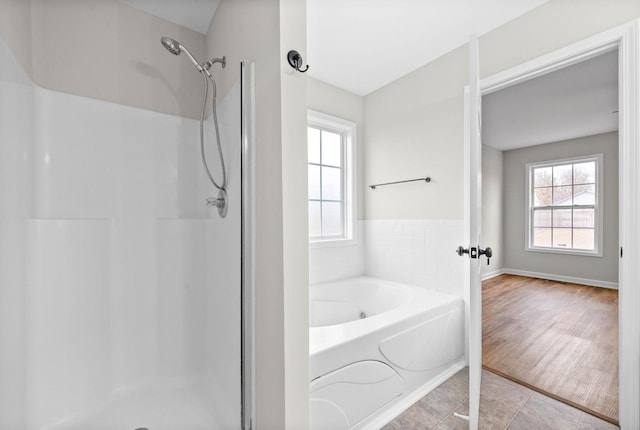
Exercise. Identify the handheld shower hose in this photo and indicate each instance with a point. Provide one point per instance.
(176, 48)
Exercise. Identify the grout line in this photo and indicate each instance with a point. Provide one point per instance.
(519, 409)
(448, 415)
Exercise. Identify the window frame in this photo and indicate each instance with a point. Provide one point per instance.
(598, 206)
(347, 129)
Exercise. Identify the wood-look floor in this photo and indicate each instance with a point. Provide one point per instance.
(557, 338)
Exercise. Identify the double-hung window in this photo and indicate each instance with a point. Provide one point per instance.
(330, 167)
(565, 206)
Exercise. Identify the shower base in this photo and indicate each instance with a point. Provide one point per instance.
(151, 407)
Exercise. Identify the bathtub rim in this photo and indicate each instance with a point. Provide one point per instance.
(325, 338)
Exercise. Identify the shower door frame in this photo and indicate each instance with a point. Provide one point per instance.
(627, 40)
(247, 234)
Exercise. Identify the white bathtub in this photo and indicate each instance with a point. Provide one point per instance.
(376, 347)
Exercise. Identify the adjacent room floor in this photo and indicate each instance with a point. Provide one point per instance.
(559, 339)
(503, 405)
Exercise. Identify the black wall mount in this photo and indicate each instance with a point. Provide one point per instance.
(295, 60)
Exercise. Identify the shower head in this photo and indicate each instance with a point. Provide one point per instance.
(172, 46)
(176, 48)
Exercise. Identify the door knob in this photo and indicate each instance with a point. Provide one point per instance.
(461, 251)
(487, 251)
(475, 252)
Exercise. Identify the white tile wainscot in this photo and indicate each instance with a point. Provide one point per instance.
(330, 263)
(416, 252)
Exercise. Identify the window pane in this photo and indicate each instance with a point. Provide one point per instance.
(314, 182)
(542, 218)
(331, 218)
(561, 238)
(562, 175)
(542, 237)
(542, 196)
(562, 217)
(584, 238)
(584, 173)
(314, 219)
(542, 177)
(331, 183)
(564, 187)
(313, 142)
(584, 218)
(331, 149)
(562, 196)
(584, 195)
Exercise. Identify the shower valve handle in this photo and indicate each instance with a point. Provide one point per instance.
(221, 202)
(217, 203)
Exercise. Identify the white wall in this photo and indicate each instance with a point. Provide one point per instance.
(414, 125)
(414, 128)
(293, 32)
(327, 263)
(260, 31)
(598, 269)
(111, 269)
(492, 208)
(416, 252)
(119, 193)
(401, 250)
(15, 30)
(16, 143)
(110, 51)
(553, 25)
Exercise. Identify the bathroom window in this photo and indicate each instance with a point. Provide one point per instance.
(330, 143)
(565, 201)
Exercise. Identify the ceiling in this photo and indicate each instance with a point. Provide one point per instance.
(193, 14)
(363, 45)
(572, 102)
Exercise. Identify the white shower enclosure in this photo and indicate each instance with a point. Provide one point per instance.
(121, 292)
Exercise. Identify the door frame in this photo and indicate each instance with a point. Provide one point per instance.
(627, 39)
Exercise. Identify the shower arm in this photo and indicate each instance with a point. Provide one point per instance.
(204, 67)
(208, 64)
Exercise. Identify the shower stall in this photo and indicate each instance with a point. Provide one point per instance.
(125, 296)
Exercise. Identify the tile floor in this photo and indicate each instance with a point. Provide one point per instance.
(503, 405)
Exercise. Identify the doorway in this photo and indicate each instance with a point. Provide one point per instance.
(626, 39)
(550, 212)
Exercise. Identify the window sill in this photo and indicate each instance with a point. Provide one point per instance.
(330, 243)
(566, 252)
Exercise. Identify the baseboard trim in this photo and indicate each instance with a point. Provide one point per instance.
(560, 278)
(492, 274)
